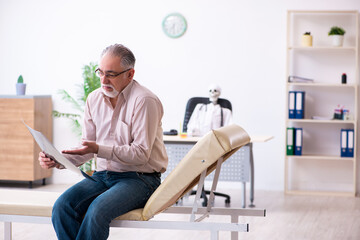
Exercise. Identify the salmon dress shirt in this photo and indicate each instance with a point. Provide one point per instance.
(130, 136)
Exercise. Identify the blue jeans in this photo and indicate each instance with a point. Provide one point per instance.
(85, 210)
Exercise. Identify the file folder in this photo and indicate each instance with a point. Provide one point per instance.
(298, 141)
(350, 142)
(299, 104)
(290, 141)
(292, 104)
(343, 143)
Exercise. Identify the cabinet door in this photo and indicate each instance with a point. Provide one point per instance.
(18, 150)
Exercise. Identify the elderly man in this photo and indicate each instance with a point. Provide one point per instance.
(122, 125)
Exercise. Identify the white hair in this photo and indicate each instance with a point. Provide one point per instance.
(119, 50)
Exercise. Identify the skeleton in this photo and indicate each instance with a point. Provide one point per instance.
(209, 116)
(214, 93)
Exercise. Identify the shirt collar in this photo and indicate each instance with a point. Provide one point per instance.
(127, 89)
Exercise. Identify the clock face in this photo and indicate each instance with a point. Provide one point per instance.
(174, 25)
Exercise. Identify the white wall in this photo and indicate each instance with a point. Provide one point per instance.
(237, 44)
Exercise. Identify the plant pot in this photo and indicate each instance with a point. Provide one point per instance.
(20, 88)
(337, 40)
(306, 41)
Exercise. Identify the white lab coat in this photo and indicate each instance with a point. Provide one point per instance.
(206, 117)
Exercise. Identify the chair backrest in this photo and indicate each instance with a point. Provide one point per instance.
(222, 142)
(192, 102)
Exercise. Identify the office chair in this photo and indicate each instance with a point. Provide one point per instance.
(192, 102)
(190, 106)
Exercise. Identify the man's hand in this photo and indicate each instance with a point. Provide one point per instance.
(89, 147)
(46, 162)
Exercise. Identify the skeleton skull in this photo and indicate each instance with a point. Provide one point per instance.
(214, 93)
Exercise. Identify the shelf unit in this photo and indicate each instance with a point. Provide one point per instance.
(320, 170)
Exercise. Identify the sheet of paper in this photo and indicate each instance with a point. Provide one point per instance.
(49, 149)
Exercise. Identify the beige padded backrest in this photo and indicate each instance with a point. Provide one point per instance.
(222, 142)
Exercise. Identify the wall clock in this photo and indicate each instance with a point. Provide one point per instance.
(174, 25)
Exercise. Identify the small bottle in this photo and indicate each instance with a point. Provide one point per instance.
(346, 114)
(343, 78)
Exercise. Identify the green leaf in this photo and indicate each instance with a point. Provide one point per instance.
(20, 79)
(91, 80)
(66, 115)
(66, 97)
(335, 30)
(86, 167)
(77, 129)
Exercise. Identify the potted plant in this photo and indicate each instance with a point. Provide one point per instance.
(90, 82)
(20, 86)
(337, 34)
(306, 40)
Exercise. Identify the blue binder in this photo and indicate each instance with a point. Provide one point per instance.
(292, 104)
(343, 143)
(299, 104)
(298, 141)
(350, 143)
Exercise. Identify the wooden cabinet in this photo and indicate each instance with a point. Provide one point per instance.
(18, 150)
(320, 169)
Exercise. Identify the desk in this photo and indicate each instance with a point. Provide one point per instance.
(239, 167)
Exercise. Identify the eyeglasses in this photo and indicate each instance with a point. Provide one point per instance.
(101, 74)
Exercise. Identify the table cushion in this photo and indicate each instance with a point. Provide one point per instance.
(203, 156)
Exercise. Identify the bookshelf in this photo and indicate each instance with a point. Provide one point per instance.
(320, 169)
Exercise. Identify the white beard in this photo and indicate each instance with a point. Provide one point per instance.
(110, 94)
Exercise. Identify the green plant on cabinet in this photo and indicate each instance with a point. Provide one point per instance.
(20, 79)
